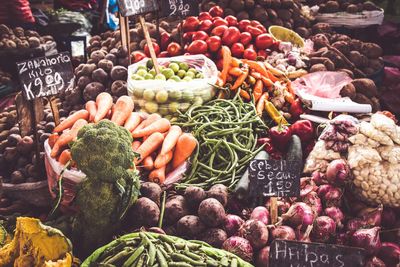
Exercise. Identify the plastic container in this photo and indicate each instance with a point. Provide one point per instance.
(352, 21)
(167, 97)
(286, 35)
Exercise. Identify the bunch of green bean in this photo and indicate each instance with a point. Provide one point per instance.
(226, 130)
(157, 250)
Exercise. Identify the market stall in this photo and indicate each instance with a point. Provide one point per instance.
(236, 133)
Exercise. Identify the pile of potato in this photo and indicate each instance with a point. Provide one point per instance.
(349, 6)
(5, 77)
(17, 154)
(335, 51)
(286, 13)
(20, 38)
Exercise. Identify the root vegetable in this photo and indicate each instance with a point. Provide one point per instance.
(299, 214)
(146, 211)
(367, 239)
(371, 216)
(194, 195)
(25, 145)
(152, 191)
(189, 226)
(233, 224)
(13, 139)
(175, 208)
(262, 259)
(324, 228)
(261, 214)
(283, 232)
(338, 172)
(219, 192)
(215, 237)
(211, 212)
(256, 232)
(335, 214)
(390, 254)
(240, 247)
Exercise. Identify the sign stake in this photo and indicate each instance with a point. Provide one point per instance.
(122, 28)
(54, 110)
(149, 43)
(274, 209)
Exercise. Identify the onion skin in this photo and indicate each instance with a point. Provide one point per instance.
(263, 257)
(331, 196)
(283, 232)
(338, 172)
(372, 216)
(307, 185)
(375, 262)
(240, 247)
(355, 224)
(314, 202)
(319, 178)
(256, 232)
(261, 214)
(367, 239)
(342, 238)
(299, 214)
(324, 228)
(335, 214)
(390, 254)
(232, 224)
(283, 206)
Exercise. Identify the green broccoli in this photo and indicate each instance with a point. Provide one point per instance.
(103, 151)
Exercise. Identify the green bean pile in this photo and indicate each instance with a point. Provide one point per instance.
(156, 250)
(227, 134)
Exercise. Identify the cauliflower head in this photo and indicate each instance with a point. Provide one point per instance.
(103, 151)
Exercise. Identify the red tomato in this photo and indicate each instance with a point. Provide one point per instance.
(262, 28)
(164, 54)
(136, 56)
(237, 50)
(197, 47)
(250, 54)
(254, 23)
(262, 54)
(200, 35)
(253, 31)
(205, 25)
(174, 49)
(165, 39)
(190, 24)
(219, 31)
(214, 43)
(231, 36)
(220, 64)
(264, 41)
(232, 20)
(245, 38)
(205, 16)
(216, 11)
(243, 24)
(187, 37)
(219, 22)
(156, 49)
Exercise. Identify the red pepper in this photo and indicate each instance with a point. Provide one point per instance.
(280, 136)
(296, 109)
(303, 129)
(269, 148)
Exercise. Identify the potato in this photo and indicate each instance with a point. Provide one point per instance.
(189, 226)
(375, 64)
(152, 191)
(175, 208)
(3, 145)
(145, 211)
(249, 4)
(320, 40)
(119, 88)
(22, 44)
(119, 73)
(342, 46)
(87, 69)
(355, 57)
(369, 6)
(4, 135)
(22, 162)
(92, 90)
(112, 58)
(194, 195)
(284, 14)
(106, 65)
(348, 90)
(331, 7)
(366, 87)
(25, 145)
(10, 154)
(321, 28)
(123, 62)
(303, 32)
(17, 177)
(318, 67)
(352, 9)
(347, 71)
(376, 105)
(260, 14)
(100, 76)
(219, 192)
(372, 50)
(33, 42)
(362, 99)
(83, 81)
(211, 212)
(214, 237)
(13, 139)
(9, 44)
(276, 4)
(4, 29)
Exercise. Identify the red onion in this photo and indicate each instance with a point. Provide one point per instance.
(299, 214)
(256, 232)
(375, 262)
(240, 247)
(261, 214)
(367, 239)
(307, 185)
(319, 178)
(283, 232)
(323, 189)
(342, 238)
(232, 224)
(314, 202)
(390, 254)
(324, 228)
(355, 224)
(336, 214)
(304, 236)
(337, 172)
(372, 216)
(388, 217)
(283, 206)
(330, 196)
(263, 257)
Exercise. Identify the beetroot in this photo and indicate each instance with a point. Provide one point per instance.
(215, 237)
(240, 247)
(211, 212)
(232, 224)
(256, 232)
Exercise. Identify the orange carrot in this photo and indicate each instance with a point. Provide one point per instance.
(67, 137)
(244, 94)
(261, 103)
(256, 75)
(52, 139)
(257, 90)
(163, 159)
(150, 119)
(91, 107)
(68, 122)
(184, 148)
(160, 126)
(65, 156)
(235, 71)
(135, 145)
(104, 103)
(258, 67)
(148, 163)
(240, 80)
(122, 110)
(151, 144)
(227, 59)
(236, 62)
(171, 139)
(157, 175)
(267, 82)
(133, 121)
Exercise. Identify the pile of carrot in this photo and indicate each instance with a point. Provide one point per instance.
(161, 147)
(253, 80)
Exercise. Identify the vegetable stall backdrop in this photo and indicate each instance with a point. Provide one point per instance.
(245, 133)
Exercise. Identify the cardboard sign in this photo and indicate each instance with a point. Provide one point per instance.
(285, 253)
(137, 7)
(46, 76)
(274, 178)
(179, 8)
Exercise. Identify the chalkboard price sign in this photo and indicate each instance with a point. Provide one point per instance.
(274, 178)
(46, 76)
(179, 8)
(284, 253)
(137, 7)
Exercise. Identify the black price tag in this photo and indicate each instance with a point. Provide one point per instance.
(274, 178)
(46, 76)
(179, 8)
(285, 253)
(137, 7)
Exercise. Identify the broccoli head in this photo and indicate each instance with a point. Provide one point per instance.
(103, 151)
